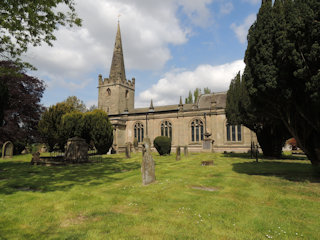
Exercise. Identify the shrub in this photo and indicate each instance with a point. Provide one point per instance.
(163, 145)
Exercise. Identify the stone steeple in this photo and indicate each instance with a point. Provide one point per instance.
(117, 70)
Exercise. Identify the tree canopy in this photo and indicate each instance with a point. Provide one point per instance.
(28, 22)
(76, 104)
(282, 68)
(20, 102)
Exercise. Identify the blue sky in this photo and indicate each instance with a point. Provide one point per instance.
(170, 47)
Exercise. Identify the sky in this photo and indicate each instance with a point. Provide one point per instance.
(170, 47)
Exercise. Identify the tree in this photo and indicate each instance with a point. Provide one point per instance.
(196, 93)
(76, 104)
(189, 99)
(282, 68)
(50, 125)
(98, 129)
(3, 100)
(30, 22)
(71, 126)
(21, 103)
(271, 133)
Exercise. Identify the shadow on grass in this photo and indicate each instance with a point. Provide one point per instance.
(21, 176)
(291, 171)
(260, 156)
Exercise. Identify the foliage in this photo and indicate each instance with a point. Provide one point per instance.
(21, 103)
(29, 22)
(3, 100)
(163, 145)
(282, 68)
(97, 127)
(91, 199)
(76, 104)
(196, 93)
(240, 109)
(50, 125)
(71, 125)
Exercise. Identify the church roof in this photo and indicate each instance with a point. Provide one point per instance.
(117, 70)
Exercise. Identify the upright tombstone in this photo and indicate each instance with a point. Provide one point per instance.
(185, 151)
(178, 153)
(7, 150)
(76, 150)
(147, 166)
(128, 150)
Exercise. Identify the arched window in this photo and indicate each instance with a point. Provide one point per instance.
(166, 129)
(196, 130)
(127, 93)
(108, 92)
(138, 132)
(234, 133)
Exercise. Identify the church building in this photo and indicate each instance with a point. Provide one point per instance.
(201, 126)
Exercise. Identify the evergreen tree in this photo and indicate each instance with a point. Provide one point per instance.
(189, 99)
(282, 68)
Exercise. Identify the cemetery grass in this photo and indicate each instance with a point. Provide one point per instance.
(234, 199)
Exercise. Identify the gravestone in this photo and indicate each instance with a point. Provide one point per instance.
(207, 163)
(147, 166)
(7, 150)
(76, 150)
(35, 158)
(185, 151)
(178, 153)
(128, 150)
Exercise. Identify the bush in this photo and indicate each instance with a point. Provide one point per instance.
(163, 145)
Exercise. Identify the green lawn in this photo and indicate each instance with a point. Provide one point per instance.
(106, 200)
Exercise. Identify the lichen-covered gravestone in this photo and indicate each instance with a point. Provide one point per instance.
(76, 150)
(128, 150)
(178, 153)
(147, 166)
(7, 150)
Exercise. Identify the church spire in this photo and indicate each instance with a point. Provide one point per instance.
(117, 71)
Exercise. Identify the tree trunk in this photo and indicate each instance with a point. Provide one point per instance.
(271, 139)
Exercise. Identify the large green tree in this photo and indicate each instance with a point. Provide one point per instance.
(50, 125)
(76, 103)
(271, 133)
(282, 68)
(29, 22)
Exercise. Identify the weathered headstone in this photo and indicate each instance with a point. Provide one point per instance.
(178, 153)
(128, 150)
(35, 158)
(43, 149)
(185, 151)
(207, 163)
(7, 150)
(147, 166)
(76, 150)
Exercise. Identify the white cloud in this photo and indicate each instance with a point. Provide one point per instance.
(254, 2)
(241, 30)
(178, 83)
(147, 27)
(226, 8)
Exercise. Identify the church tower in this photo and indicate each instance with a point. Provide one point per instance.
(116, 93)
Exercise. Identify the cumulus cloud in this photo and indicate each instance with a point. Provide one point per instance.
(179, 82)
(226, 8)
(241, 30)
(148, 29)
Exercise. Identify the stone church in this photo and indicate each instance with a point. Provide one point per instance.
(201, 126)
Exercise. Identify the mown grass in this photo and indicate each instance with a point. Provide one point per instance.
(106, 200)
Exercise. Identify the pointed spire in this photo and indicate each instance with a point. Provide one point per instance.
(180, 102)
(117, 71)
(151, 105)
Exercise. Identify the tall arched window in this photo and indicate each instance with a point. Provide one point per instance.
(196, 130)
(108, 92)
(233, 133)
(138, 132)
(166, 129)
